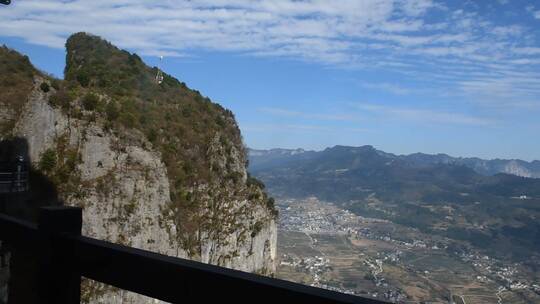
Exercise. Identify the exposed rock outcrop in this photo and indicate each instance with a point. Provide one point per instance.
(132, 190)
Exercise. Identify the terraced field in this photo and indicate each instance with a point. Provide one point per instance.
(408, 268)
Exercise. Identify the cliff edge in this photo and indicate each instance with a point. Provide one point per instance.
(154, 166)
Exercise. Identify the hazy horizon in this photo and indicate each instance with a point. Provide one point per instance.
(392, 152)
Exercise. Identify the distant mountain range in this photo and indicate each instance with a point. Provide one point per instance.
(344, 173)
(484, 202)
(260, 159)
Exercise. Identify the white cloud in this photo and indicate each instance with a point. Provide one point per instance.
(301, 128)
(286, 128)
(315, 30)
(527, 50)
(388, 87)
(304, 115)
(417, 8)
(511, 31)
(390, 35)
(365, 112)
(422, 115)
(531, 9)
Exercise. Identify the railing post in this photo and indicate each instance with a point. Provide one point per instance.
(59, 281)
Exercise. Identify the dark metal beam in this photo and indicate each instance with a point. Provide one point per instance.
(158, 276)
(59, 281)
(176, 280)
(18, 233)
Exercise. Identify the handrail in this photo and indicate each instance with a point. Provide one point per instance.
(155, 275)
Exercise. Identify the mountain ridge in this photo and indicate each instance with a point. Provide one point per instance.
(483, 166)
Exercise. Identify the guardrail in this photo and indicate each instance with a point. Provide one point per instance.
(13, 177)
(64, 256)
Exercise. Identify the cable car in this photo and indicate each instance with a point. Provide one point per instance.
(159, 75)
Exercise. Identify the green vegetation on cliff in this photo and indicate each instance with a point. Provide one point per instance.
(16, 73)
(179, 122)
(199, 140)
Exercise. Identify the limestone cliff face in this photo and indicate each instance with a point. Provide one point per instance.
(196, 203)
(512, 167)
(122, 187)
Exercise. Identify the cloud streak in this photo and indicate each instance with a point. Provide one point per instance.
(422, 115)
(310, 116)
(302, 128)
(365, 112)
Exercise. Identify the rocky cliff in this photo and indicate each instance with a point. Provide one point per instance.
(155, 166)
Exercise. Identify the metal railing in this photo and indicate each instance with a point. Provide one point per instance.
(64, 256)
(13, 177)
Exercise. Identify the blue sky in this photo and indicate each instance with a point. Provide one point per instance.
(461, 78)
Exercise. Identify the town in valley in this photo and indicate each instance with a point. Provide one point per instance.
(322, 245)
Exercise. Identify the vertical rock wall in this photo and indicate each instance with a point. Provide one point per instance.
(121, 183)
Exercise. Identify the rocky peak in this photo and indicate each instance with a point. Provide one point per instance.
(155, 166)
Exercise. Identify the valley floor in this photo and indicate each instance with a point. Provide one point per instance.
(322, 245)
